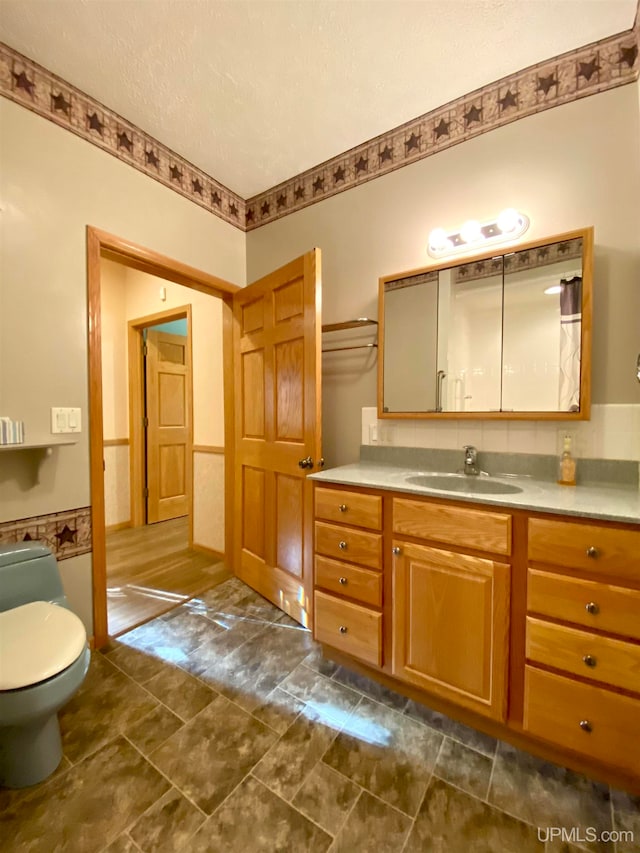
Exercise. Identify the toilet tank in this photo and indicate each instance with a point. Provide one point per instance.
(29, 572)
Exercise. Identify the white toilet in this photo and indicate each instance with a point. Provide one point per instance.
(44, 658)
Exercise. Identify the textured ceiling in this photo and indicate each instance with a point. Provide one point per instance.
(256, 91)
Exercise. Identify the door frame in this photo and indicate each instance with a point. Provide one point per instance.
(101, 244)
(137, 403)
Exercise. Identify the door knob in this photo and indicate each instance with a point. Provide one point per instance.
(306, 463)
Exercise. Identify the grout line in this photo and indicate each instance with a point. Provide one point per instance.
(349, 813)
(169, 665)
(171, 782)
(289, 803)
(493, 767)
(613, 818)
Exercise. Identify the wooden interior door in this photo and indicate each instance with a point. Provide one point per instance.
(168, 393)
(277, 365)
(451, 619)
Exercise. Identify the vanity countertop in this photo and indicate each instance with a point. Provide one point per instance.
(608, 502)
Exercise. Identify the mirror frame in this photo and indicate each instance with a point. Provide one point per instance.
(586, 333)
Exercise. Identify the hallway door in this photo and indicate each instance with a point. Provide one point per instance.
(277, 365)
(168, 396)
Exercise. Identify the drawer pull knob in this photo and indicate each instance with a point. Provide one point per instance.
(397, 550)
(342, 545)
(343, 581)
(592, 552)
(589, 660)
(586, 726)
(343, 507)
(592, 608)
(343, 629)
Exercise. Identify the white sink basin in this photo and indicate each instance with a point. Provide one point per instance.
(463, 483)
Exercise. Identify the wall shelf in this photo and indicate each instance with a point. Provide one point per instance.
(38, 445)
(350, 324)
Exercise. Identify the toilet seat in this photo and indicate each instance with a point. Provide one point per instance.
(37, 641)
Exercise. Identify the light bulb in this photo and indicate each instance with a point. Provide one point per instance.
(508, 220)
(438, 239)
(551, 291)
(471, 231)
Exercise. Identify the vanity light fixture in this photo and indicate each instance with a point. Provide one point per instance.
(508, 225)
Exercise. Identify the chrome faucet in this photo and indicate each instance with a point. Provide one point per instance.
(471, 460)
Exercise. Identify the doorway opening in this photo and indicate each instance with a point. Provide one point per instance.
(272, 421)
(151, 562)
(162, 427)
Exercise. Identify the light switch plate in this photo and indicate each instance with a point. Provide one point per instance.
(58, 420)
(66, 420)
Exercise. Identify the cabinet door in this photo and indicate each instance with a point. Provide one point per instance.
(450, 626)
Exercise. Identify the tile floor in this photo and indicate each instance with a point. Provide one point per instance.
(219, 727)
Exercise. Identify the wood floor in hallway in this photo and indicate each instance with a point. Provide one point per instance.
(151, 569)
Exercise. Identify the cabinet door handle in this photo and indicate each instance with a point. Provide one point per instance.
(592, 552)
(343, 581)
(342, 545)
(343, 629)
(586, 726)
(343, 507)
(397, 550)
(592, 608)
(589, 660)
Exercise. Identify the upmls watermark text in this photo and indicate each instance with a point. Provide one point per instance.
(583, 834)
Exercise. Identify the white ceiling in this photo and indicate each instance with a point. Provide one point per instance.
(256, 91)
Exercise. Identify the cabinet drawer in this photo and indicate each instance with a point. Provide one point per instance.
(556, 706)
(614, 662)
(348, 627)
(348, 544)
(362, 584)
(349, 507)
(468, 528)
(589, 603)
(585, 546)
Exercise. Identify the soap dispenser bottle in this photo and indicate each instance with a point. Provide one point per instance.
(567, 467)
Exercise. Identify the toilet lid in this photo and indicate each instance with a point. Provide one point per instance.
(37, 641)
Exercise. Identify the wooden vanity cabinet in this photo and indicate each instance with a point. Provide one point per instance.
(582, 672)
(526, 625)
(348, 576)
(450, 625)
(451, 607)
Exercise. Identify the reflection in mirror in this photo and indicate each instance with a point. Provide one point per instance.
(542, 328)
(410, 330)
(504, 336)
(470, 336)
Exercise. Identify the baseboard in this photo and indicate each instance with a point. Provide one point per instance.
(111, 528)
(202, 549)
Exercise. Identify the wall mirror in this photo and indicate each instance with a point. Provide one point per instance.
(503, 335)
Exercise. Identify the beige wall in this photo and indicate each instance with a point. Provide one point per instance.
(54, 185)
(568, 167)
(113, 327)
(143, 298)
